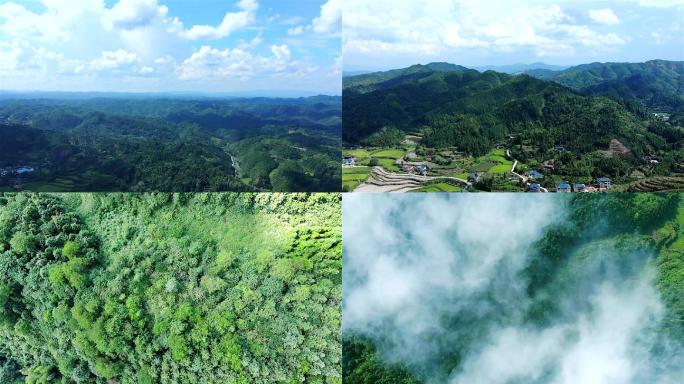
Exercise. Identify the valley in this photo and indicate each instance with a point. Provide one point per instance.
(564, 130)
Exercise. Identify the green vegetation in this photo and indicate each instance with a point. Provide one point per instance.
(577, 125)
(438, 187)
(154, 144)
(170, 288)
(351, 177)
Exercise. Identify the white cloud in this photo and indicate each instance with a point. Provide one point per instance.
(20, 55)
(294, 31)
(131, 14)
(330, 18)
(604, 16)
(210, 62)
(596, 348)
(232, 21)
(114, 60)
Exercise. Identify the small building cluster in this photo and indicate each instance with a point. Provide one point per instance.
(603, 184)
(533, 175)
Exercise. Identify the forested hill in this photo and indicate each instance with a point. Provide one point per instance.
(656, 84)
(473, 111)
(382, 80)
(171, 144)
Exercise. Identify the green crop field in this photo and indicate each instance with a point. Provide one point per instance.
(351, 177)
(438, 187)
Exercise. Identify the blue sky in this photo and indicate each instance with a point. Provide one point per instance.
(385, 34)
(254, 46)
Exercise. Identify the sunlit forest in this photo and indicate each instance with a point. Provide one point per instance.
(170, 288)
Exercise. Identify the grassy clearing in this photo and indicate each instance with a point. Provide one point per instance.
(501, 168)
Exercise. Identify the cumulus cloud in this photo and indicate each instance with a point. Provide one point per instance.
(131, 14)
(232, 21)
(330, 18)
(429, 276)
(228, 63)
(604, 16)
(19, 55)
(114, 60)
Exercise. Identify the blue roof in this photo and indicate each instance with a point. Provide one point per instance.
(535, 174)
(579, 185)
(535, 186)
(603, 179)
(563, 186)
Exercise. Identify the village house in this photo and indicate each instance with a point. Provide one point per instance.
(651, 159)
(563, 188)
(348, 161)
(408, 168)
(534, 174)
(579, 187)
(534, 188)
(422, 169)
(604, 183)
(473, 177)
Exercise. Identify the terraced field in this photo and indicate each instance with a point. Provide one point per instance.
(658, 184)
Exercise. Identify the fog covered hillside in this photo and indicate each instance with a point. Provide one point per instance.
(510, 288)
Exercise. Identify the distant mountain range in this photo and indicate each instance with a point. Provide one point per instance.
(521, 68)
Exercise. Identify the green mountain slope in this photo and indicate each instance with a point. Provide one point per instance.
(473, 111)
(656, 84)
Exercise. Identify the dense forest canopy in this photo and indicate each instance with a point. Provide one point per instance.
(170, 288)
(514, 289)
(171, 144)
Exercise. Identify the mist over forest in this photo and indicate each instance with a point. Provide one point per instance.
(513, 289)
